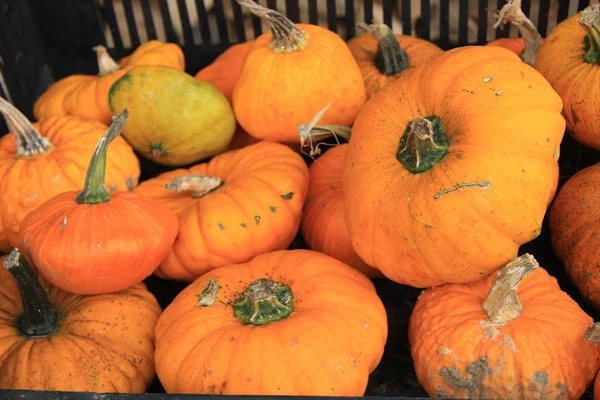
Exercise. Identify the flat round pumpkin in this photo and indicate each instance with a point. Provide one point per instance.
(286, 323)
(241, 204)
(441, 184)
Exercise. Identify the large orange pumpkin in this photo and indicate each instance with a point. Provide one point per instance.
(292, 72)
(286, 323)
(441, 184)
(241, 204)
(40, 160)
(516, 335)
(570, 60)
(54, 340)
(383, 56)
(86, 96)
(94, 242)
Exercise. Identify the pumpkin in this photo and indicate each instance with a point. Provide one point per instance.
(286, 323)
(175, 119)
(57, 341)
(526, 46)
(513, 335)
(292, 72)
(94, 242)
(225, 70)
(241, 204)
(383, 56)
(570, 60)
(440, 183)
(40, 160)
(86, 96)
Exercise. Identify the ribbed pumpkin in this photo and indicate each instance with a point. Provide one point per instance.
(57, 341)
(286, 323)
(241, 204)
(292, 72)
(86, 96)
(41, 160)
(440, 184)
(515, 335)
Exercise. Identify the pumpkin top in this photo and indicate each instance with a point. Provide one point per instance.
(512, 12)
(263, 302)
(390, 59)
(29, 141)
(590, 20)
(106, 64)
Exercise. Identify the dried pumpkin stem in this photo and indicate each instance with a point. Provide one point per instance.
(311, 133)
(287, 37)
(40, 316)
(592, 333)
(502, 304)
(423, 144)
(29, 141)
(106, 64)
(263, 302)
(511, 12)
(94, 191)
(590, 20)
(197, 185)
(390, 58)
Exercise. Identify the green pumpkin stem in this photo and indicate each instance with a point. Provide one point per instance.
(29, 141)
(106, 64)
(511, 12)
(502, 304)
(40, 316)
(197, 185)
(423, 144)
(94, 191)
(287, 37)
(263, 302)
(311, 132)
(590, 20)
(390, 58)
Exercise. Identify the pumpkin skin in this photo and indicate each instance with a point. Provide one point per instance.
(29, 176)
(495, 195)
(516, 45)
(102, 344)
(86, 96)
(254, 208)
(329, 298)
(323, 221)
(461, 351)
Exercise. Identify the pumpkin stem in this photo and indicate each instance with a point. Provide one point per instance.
(40, 316)
(287, 37)
(29, 141)
(511, 12)
(263, 302)
(424, 144)
(390, 58)
(94, 191)
(198, 185)
(590, 20)
(106, 64)
(592, 333)
(502, 304)
(311, 133)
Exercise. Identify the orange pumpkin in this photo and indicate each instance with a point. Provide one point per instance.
(516, 335)
(439, 163)
(241, 204)
(570, 61)
(92, 242)
(40, 160)
(383, 56)
(57, 341)
(291, 73)
(225, 70)
(286, 323)
(86, 96)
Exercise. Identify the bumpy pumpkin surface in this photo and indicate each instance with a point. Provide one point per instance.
(514, 335)
(286, 323)
(41, 160)
(86, 96)
(54, 340)
(241, 204)
(441, 184)
(570, 61)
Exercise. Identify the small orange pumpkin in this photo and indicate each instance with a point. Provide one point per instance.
(286, 323)
(514, 335)
(383, 56)
(86, 96)
(92, 242)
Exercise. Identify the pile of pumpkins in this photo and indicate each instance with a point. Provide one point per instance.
(446, 162)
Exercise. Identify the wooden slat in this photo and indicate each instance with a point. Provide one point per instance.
(425, 20)
(445, 22)
(170, 34)
(482, 22)
(111, 20)
(131, 25)
(203, 21)
(313, 12)
(221, 22)
(188, 36)
(331, 16)
(406, 17)
(350, 20)
(148, 21)
(463, 22)
(238, 19)
(369, 11)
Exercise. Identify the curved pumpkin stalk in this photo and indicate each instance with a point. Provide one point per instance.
(106, 64)
(29, 141)
(511, 12)
(311, 132)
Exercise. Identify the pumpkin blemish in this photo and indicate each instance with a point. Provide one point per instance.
(273, 209)
(478, 371)
(221, 227)
(63, 224)
(482, 184)
(287, 196)
(257, 219)
(209, 294)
